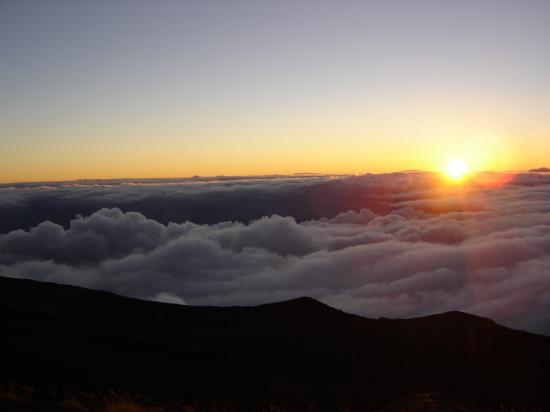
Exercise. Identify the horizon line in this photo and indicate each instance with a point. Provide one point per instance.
(295, 175)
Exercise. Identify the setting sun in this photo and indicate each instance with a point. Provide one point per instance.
(456, 170)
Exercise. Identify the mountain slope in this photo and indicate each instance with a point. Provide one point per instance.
(290, 353)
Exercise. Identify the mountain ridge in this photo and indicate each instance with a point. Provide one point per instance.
(290, 353)
(304, 301)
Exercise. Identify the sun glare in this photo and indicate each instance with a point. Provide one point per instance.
(456, 170)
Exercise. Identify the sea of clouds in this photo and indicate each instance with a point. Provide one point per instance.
(392, 245)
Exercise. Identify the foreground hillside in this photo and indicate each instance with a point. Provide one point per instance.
(294, 354)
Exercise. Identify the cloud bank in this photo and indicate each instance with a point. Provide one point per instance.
(421, 247)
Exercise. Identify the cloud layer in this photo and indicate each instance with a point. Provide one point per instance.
(422, 247)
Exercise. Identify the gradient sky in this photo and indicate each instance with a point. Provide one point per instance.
(96, 89)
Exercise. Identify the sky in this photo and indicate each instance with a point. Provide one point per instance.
(111, 89)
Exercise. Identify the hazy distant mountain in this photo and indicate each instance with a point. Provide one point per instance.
(540, 170)
(294, 353)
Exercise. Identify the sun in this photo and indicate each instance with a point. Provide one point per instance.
(456, 170)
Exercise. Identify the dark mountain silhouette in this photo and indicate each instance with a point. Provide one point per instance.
(294, 353)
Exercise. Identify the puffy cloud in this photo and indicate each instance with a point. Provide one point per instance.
(483, 249)
(105, 234)
(364, 216)
(167, 297)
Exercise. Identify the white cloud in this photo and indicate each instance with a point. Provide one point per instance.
(167, 297)
(424, 255)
